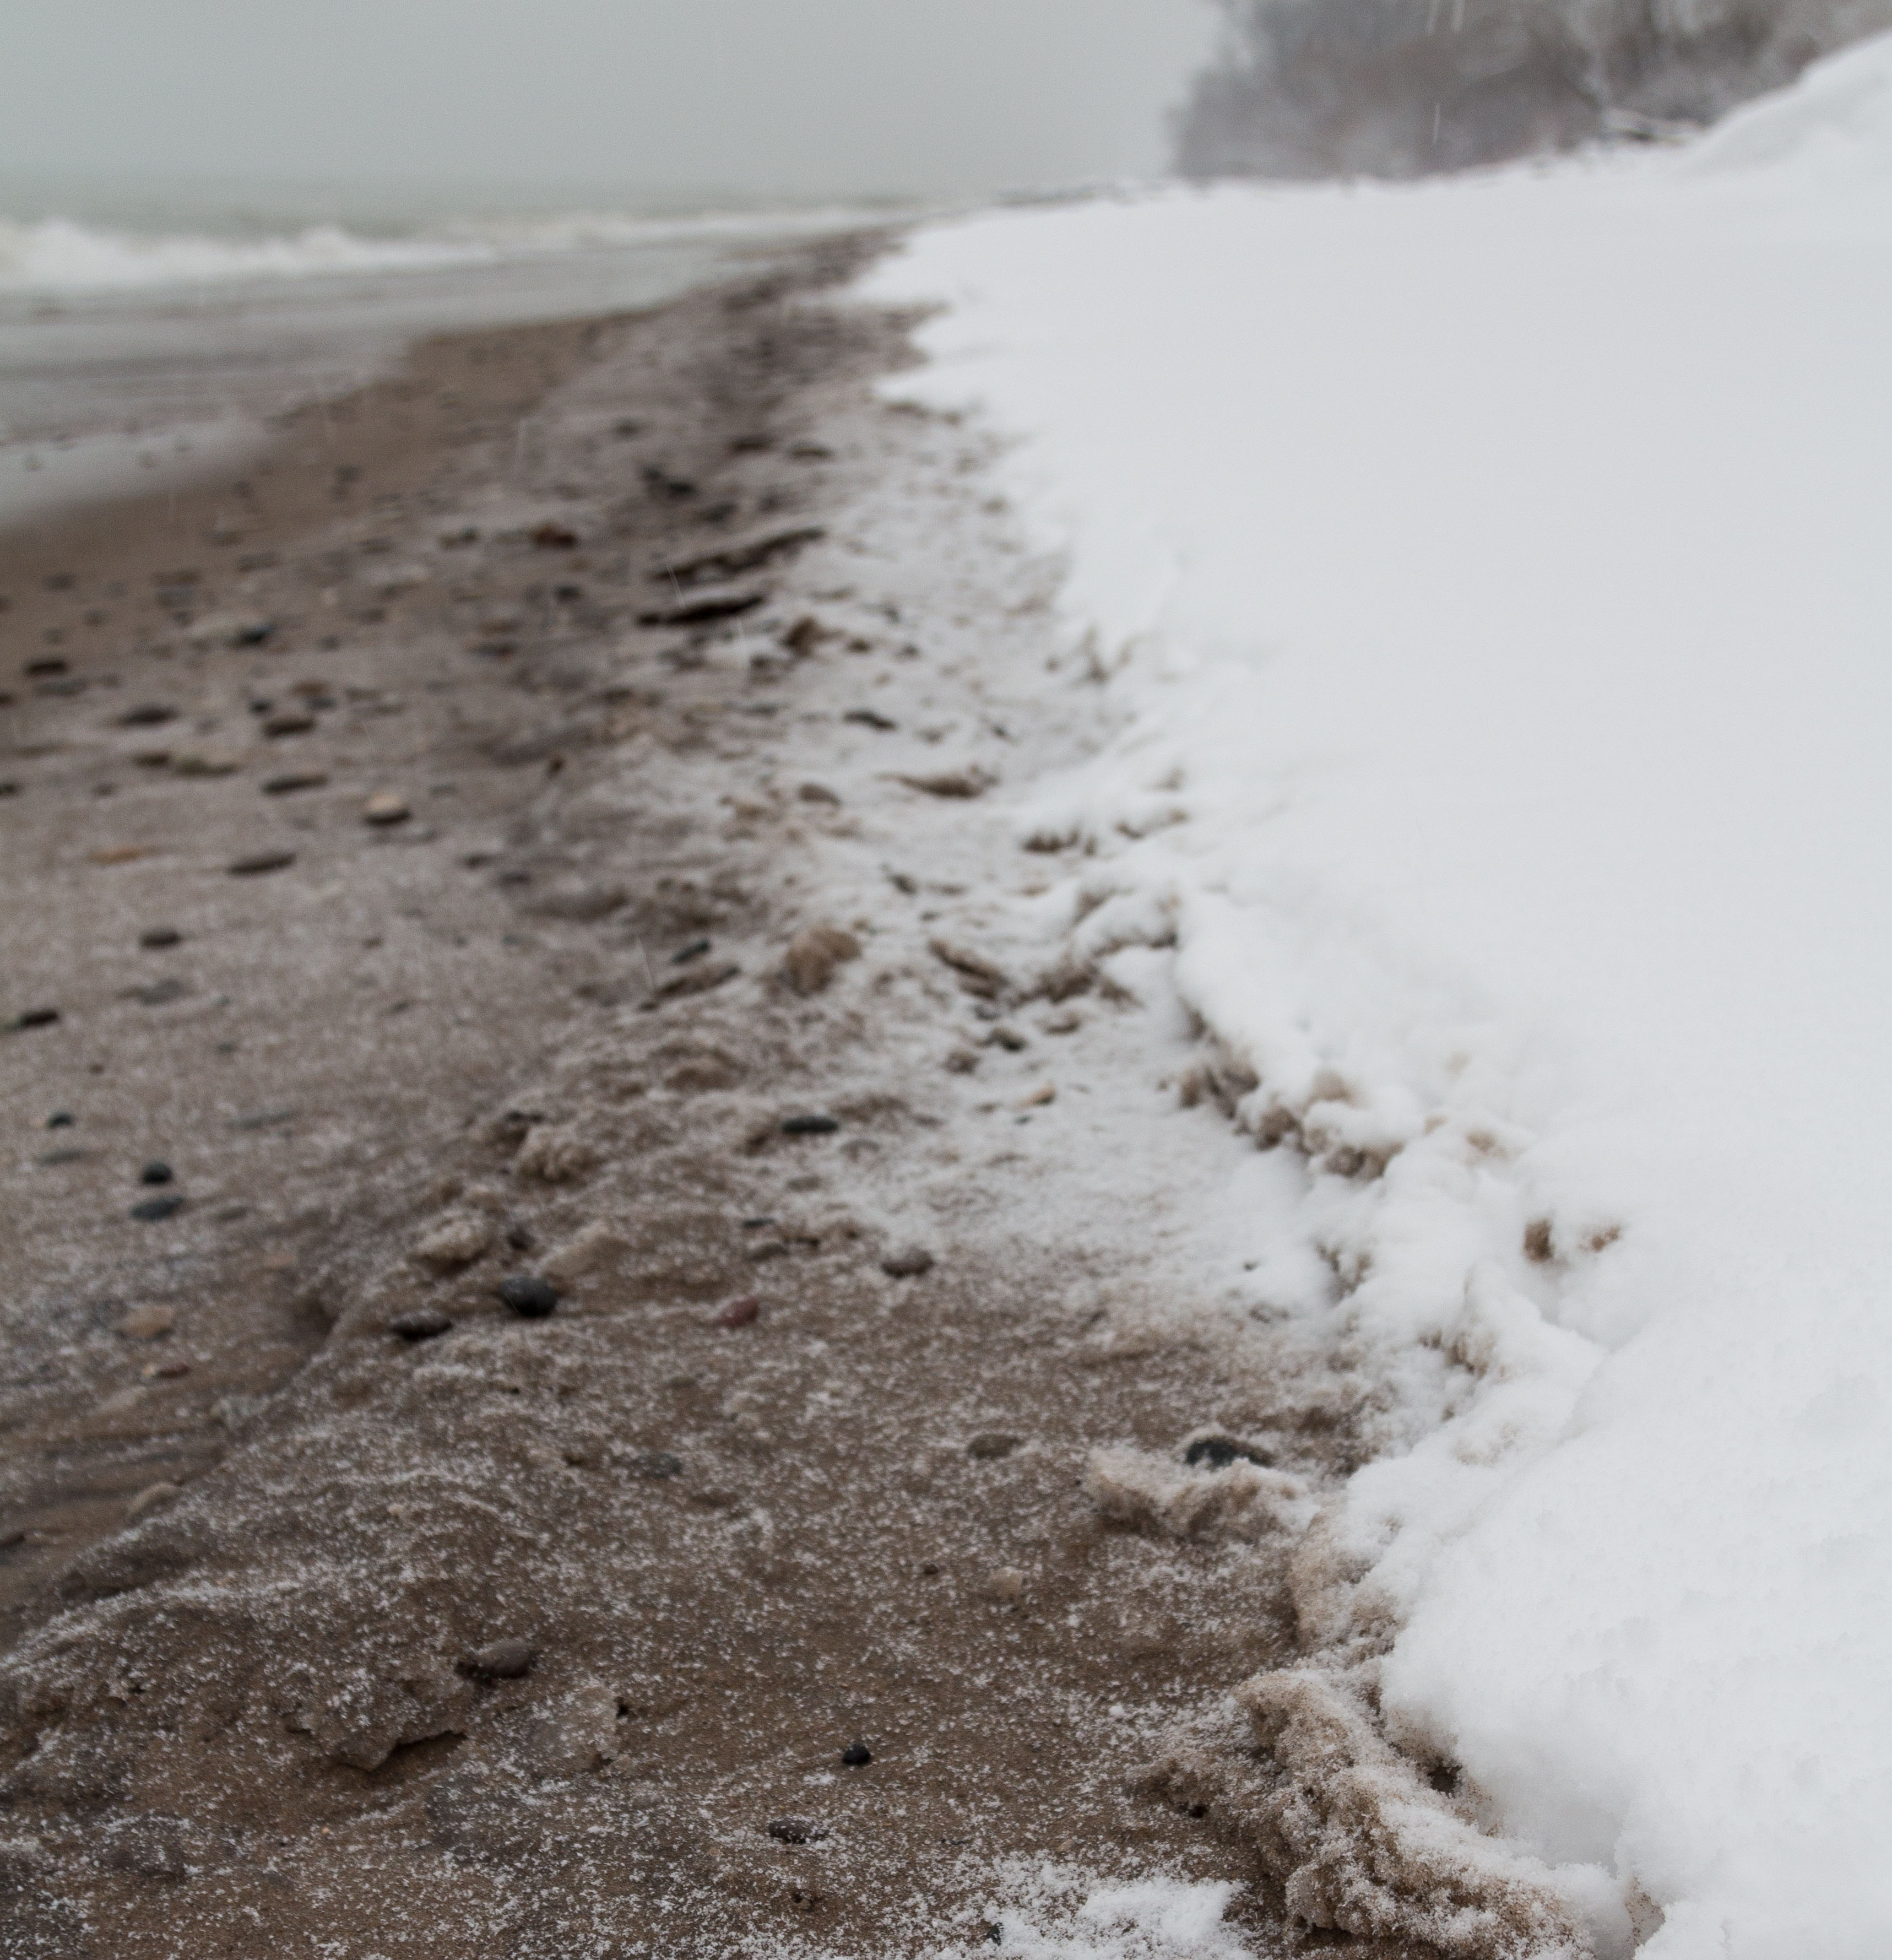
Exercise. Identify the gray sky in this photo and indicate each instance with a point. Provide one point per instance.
(793, 96)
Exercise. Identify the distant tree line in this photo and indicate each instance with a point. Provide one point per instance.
(1400, 88)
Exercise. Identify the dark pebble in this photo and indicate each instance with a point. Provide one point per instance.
(694, 951)
(259, 861)
(520, 1236)
(809, 1126)
(1217, 1453)
(502, 1660)
(424, 1323)
(656, 1464)
(908, 1265)
(61, 1119)
(796, 1830)
(857, 1756)
(289, 721)
(158, 937)
(253, 634)
(38, 1017)
(744, 1313)
(151, 715)
(155, 1172)
(296, 779)
(992, 1444)
(529, 1296)
(152, 1209)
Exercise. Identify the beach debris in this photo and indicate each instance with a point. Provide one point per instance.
(976, 975)
(551, 536)
(815, 952)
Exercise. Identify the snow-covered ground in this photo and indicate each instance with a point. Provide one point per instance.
(1493, 580)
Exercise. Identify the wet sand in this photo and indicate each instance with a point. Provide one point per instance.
(767, 1484)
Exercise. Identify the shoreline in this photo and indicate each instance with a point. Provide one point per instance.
(488, 1041)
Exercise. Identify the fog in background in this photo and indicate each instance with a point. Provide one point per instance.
(680, 100)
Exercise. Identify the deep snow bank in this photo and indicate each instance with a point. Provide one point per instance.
(1495, 583)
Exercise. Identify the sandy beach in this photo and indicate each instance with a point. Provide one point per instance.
(570, 1263)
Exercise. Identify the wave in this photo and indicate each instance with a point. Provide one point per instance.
(66, 255)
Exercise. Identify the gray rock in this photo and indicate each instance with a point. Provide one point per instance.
(502, 1659)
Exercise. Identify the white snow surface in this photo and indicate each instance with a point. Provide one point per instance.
(1493, 579)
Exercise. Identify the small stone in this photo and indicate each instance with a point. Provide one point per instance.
(796, 1830)
(158, 936)
(1217, 1453)
(907, 1264)
(1045, 1092)
(657, 1465)
(61, 1119)
(991, 1444)
(1067, 1022)
(457, 1241)
(1004, 1585)
(201, 762)
(962, 1060)
(292, 780)
(868, 719)
(258, 862)
(150, 715)
(384, 807)
(152, 1495)
(976, 975)
(743, 1313)
(527, 1295)
(153, 1209)
(37, 1017)
(809, 1126)
(501, 1660)
(288, 722)
(857, 1756)
(167, 1371)
(147, 1323)
(814, 954)
(960, 783)
(1008, 1038)
(421, 1323)
(817, 793)
(155, 1172)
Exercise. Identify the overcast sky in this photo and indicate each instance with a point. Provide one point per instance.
(790, 97)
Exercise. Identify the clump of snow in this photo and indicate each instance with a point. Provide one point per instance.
(1050, 1913)
(1490, 584)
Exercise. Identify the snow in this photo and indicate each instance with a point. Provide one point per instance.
(1491, 579)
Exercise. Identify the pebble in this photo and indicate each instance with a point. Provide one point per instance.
(529, 1296)
(258, 862)
(288, 722)
(991, 1444)
(962, 1060)
(655, 1463)
(1068, 1023)
(857, 1756)
(155, 1172)
(158, 936)
(962, 783)
(809, 1126)
(201, 762)
(907, 1264)
(814, 954)
(1217, 1453)
(36, 1017)
(422, 1323)
(796, 1830)
(501, 1660)
(150, 715)
(61, 1119)
(817, 793)
(1008, 1038)
(868, 719)
(743, 1313)
(293, 780)
(1045, 1092)
(150, 1210)
(385, 807)
(1004, 1584)
(147, 1323)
